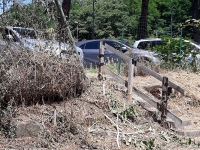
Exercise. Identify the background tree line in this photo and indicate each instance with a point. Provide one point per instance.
(138, 19)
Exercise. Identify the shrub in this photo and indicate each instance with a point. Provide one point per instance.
(175, 54)
(33, 76)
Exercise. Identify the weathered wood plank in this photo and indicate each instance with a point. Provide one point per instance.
(118, 53)
(190, 133)
(143, 68)
(159, 77)
(115, 76)
(101, 57)
(176, 119)
(119, 79)
(130, 79)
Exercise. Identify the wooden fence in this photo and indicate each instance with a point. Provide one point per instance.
(161, 106)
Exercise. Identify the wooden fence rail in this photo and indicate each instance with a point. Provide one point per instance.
(131, 62)
(162, 106)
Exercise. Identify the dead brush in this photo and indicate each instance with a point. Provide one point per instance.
(31, 77)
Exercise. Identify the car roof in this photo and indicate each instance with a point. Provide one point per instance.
(28, 29)
(22, 28)
(150, 39)
(79, 43)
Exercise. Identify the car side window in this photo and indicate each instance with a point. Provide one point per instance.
(113, 44)
(7, 34)
(158, 43)
(149, 45)
(142, 45)
(154, 43)
(91, 45)
(109, 43)
(117, 46)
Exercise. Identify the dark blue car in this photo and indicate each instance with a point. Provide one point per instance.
(91, 51)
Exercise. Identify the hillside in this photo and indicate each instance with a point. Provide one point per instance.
(97, 121)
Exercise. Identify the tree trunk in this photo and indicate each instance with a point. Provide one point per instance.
(62, 25)
(4, 5)
(195, 15)
(66, 7)
(142, 26)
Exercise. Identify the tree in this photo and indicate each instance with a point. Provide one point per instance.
(29, 16)
(66, 7)
(62, 25)
(108, 24)
(195, 15)
(142, 27)
(110, 16)
(4, 5)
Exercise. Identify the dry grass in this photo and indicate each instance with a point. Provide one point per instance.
(97, 121)
(28, 77)
(93, 120)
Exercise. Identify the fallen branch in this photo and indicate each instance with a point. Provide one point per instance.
(117, 127)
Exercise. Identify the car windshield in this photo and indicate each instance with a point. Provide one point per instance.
(125, 43)
(28, 33)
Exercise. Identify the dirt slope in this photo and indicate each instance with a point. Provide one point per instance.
(97, 121)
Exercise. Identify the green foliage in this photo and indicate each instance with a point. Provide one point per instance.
(148, 145)
(190, 23)
(107, 24)
(34, 15)
(170, 51)
(189, 141)
(109, 17)
(174, 53)
(91, 70)
(131, 112)
(178, 9)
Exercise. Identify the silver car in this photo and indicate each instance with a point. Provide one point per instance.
(35, 39)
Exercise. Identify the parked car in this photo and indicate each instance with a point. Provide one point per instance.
(35, 39)
(195, 49)
(91, 51)
(149, 43)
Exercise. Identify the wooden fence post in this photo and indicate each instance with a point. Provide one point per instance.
(101, 60)
(164, 101)
(130, 79)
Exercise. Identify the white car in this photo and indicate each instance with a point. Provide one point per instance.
(35, 39)
(148, 43)
(195, 48)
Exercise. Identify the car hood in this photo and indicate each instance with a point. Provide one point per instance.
(153, 56)
(55, 46)
(50, 45)
(144, 52)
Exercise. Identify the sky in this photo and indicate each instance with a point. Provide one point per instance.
(9, 4)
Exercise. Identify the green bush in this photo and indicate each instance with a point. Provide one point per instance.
(174, 53)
